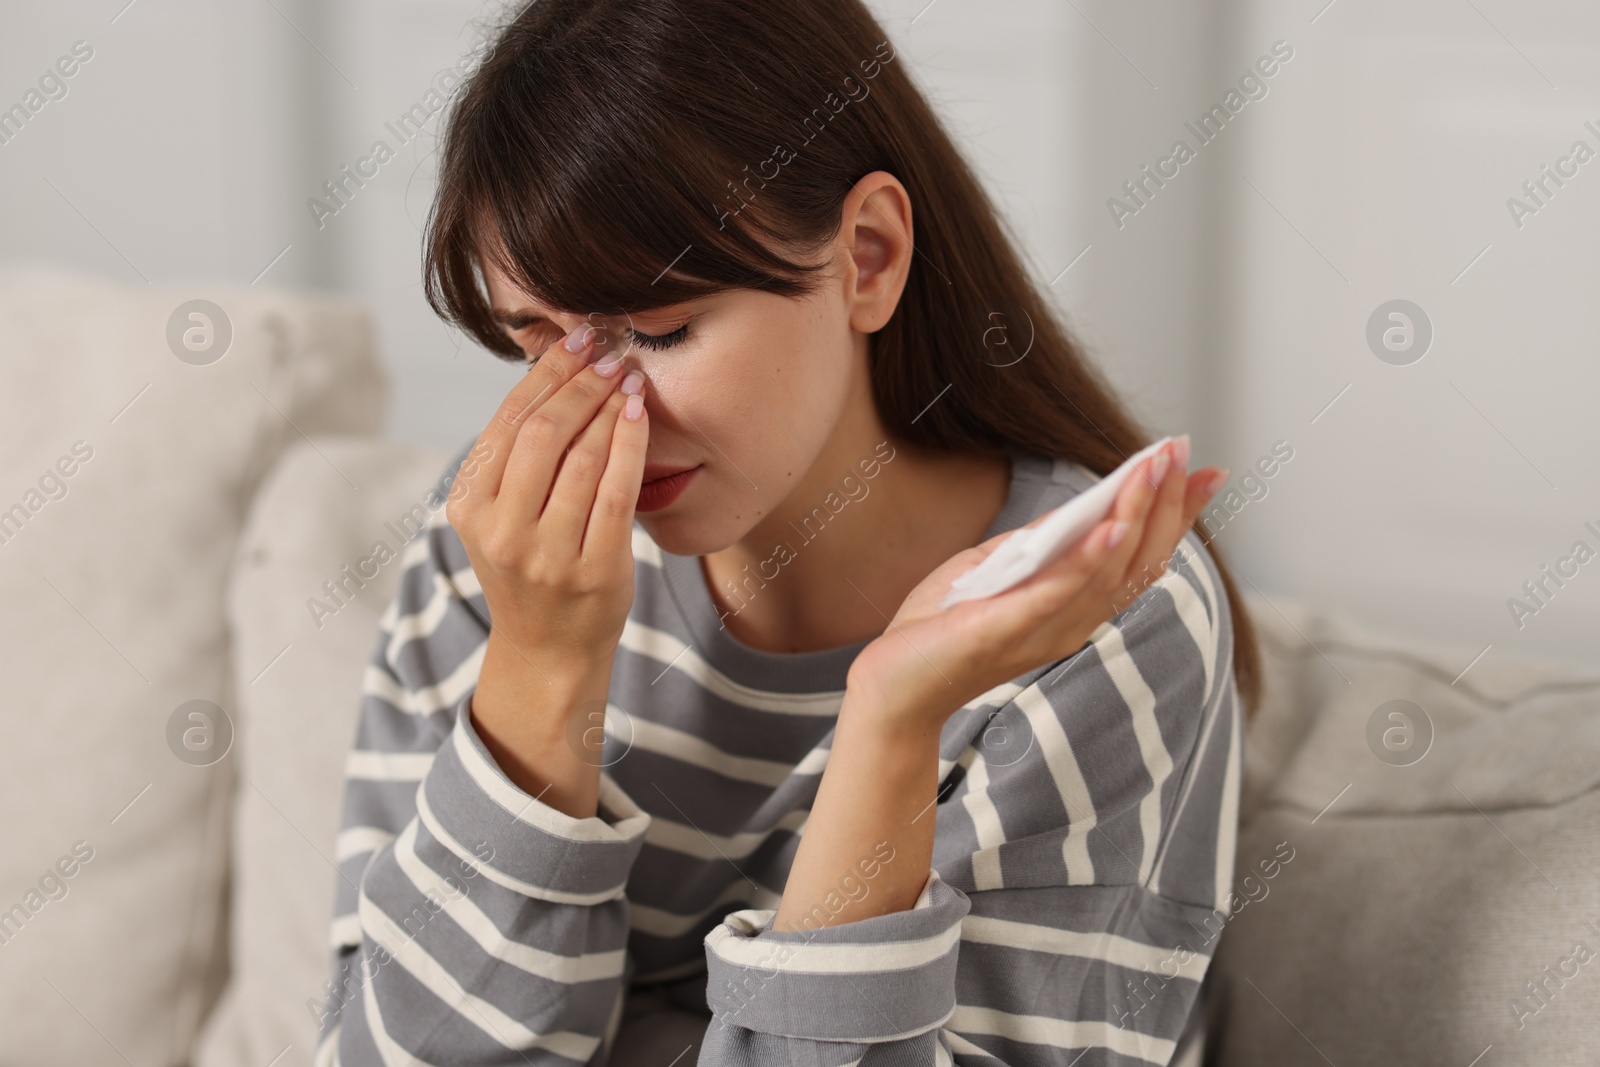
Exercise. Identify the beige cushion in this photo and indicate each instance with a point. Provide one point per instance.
(112, 615)
(1415, 909)
(297, 723)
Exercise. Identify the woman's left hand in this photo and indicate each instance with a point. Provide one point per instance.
(929, 663)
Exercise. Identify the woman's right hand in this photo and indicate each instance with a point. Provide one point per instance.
(546, 517)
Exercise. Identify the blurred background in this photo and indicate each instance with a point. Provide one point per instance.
(1233, 303)
(1372, 270)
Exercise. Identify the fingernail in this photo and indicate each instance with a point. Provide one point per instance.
(634, 407)
(633, 383)
(1180, 451)
(607, 365)
(1218, 480)
(579, 338)
(1118, 532)
(1158, 468)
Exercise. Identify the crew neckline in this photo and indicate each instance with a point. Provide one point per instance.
(824, 669)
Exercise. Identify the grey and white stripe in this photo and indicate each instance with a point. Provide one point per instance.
(1085, 834)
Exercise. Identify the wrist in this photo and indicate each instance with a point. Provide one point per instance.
(898, 709)
(906, 723)
(543, 725)
(536, 667)
(876, 798)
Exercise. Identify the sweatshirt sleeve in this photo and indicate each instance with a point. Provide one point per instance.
(1080, 876)
(473, 924)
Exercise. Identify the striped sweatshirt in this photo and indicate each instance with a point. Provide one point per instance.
(1084, 844)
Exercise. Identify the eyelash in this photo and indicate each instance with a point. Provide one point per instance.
(654, 341)
(659, 341)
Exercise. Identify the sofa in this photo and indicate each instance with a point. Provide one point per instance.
(1418, 875)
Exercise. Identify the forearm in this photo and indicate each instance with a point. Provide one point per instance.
(487, 891)
(864, 947)
(879, 787)
(543, 724)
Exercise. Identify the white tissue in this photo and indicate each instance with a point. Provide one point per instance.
(1029, 549)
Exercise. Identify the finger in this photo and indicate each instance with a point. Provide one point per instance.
(1100, 559)
(1203, 485)
(566, 514)
(994, 543)
(1133, 506)
(1080, 569)
(545, 436)
(1163, 527)
(466, 474)
(610, 533)
(1095, 560)
(557, 365)
(1198, 488)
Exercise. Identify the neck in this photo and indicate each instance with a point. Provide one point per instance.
(870, 520)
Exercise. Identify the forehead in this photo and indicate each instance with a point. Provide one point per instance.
(505, 293)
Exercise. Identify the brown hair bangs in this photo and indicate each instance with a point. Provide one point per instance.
(595, 159)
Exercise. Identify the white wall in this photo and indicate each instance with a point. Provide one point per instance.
(1427, 494)
(194, 137)
(1233, 304)
(171, 152)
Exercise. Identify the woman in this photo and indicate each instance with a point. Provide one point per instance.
(788, 380)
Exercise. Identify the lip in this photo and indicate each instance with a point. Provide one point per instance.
(657, 471)
(657, 493)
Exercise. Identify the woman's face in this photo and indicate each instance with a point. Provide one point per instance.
(746, 385)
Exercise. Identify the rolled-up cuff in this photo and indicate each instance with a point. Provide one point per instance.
(886, 978)
(467, 803)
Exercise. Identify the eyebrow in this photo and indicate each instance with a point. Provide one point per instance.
(515, 319)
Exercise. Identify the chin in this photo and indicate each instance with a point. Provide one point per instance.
(706, 518)
(686, 533)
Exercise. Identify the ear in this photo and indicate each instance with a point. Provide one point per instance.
(875, 230)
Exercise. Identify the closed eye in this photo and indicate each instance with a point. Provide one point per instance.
(533, 339)
(658, 341)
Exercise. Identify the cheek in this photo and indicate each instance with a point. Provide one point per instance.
(697, 397)
(791, 401)
(765, 399)
(757, 401)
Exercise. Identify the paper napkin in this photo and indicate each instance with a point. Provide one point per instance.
(1029, 549)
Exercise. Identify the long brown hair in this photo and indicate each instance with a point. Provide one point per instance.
(622, 155)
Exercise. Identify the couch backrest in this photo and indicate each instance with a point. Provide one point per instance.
(132, 440)
(1418, 855)
(297, 723)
